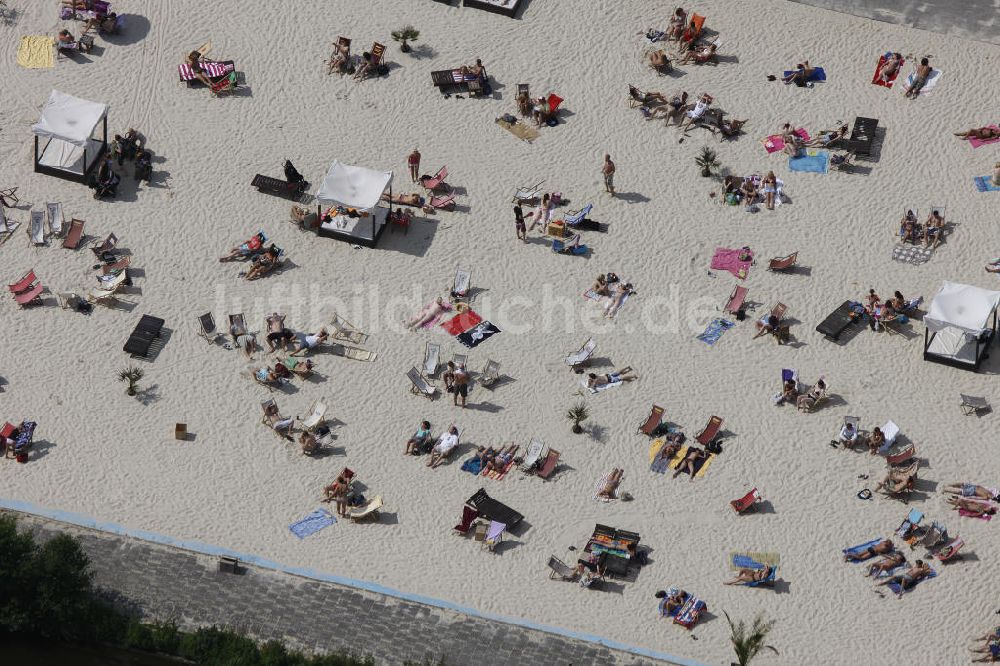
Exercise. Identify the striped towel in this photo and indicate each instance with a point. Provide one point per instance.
(211, 69)
(458, 77)
(600, 487)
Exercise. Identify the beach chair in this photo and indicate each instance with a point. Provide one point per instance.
(636, 97)
(525, 195)
(710, 431)
(559, 569)
(237, 326)
(532, 455)
(345, 330)
(581, 357)
(370, 511)
(460, 360)
(107, 246)
(909, 523)
(910, 474)
(973, 405)
(9, 194)
(375, 61)
(273, 419)
(432, 355)
(352, 353)
(736, 300)
(446, 202)
(206, 324)
(108, 288)
(461, 284)
(437, 181)
(572, 219)
(27, 289)
(490, 373)
(117, 267)
(7, 227)
(36, 230)
(74, 235)
(469, 515)
(141, 339)
(54, 212)
(226, 85)
(571, 246)
(902, 458)
(316, 418)
(783, 263)
(746, 502)
(419, 384)
(548, 464)
(24, 440)
(950, 550)
(652, 421)
(494, 535)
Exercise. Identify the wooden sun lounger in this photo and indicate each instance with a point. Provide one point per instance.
(711, 430)
(652, 421)
(74, 235)
(837, 322)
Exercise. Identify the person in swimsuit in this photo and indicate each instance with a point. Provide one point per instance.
(687, 465)
(625, 375)
(974, 507)
(658, 59)
(677, 23)
(339, 58)
(428, 314)
(800, 75)
(610, 486)
(920, 80)
(909, 578)
(540, 216)
(618, 299)
(194, 62)
(700, 55)
(807, 401)
(746, 575)
(996, 174)
(981, 133)
(883, 547)
(337, 493)
(933, 229)
(887, 563)
(973, 490)
(908, 227)
(827, 137)
(770, 189)
(890, 67)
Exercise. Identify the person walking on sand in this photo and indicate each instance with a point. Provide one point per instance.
(522, 233)
(413, 161)
(608, 170)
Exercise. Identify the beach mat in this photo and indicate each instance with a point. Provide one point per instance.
(818, 74)
(932, 81)
(727, 259)
(985, 184)
(976, 143)
(715, 331)
(478, 333)
(461, 323)
(36, 52)
(774, 143)
(753, 560)
(860, 548)
(602, 388)
(312, 523)
(896, 588)
(886, 84)
(969, 514)
(473, 466)
(519, 129)
(911, 254)
(813, 162)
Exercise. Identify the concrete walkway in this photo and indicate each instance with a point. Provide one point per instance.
(972, 19)
(164, 582)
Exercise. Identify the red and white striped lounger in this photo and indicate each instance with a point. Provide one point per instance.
(211, 69)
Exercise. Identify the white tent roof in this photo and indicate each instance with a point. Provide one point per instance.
(355, 186)
(69, 118)
(963, 307)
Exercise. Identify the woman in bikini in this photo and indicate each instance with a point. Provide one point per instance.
(746, 575)
(610, 486)
(887, 563)
(981, 133)
(687, 465)
(770, 189)
(883, 547)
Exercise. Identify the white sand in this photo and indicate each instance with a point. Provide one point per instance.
(106, 455)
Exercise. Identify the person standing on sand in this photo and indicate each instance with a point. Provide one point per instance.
(460, 381)
(413, 161)
(522, 233)
(608, 170)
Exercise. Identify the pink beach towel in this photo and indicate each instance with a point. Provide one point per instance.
(774, 143)
(727, 259)
(969, 514)
(975, 143)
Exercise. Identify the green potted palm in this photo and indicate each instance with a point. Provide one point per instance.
(132, 375)
(706, 159)
(578, 413)
(404, 35)
(748, 641)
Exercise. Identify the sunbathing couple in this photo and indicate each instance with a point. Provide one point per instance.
(908, 578)
(973, 490)
(850, 436)
(595, 381)
(889, 558)
(808, 400)
(990, 647)
(933, 228)
(495, 460)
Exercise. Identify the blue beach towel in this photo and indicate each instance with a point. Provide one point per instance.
(985, 184)
(895, 587)
(312, 523)
(473, 466)
(747, 562)
(814, 162)
(817, 75)
(861, 548)
(715, 331)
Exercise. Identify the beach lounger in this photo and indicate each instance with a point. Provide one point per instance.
(973, 405)
(862, 136)
(273, 419)
(316, 418)
(212, 69)
(27, 289)
(140, 341)
(461, 284)
(469, 516)
(107, 246)
(24, 440)
(432, 355)
(652, 421)
(345, 330)
(108, 288)
(237, 326)
(446, 202)
(493, 510)
(419, 384)
(54, 212)
(746, 502)
(278, 187)
(548, 464)
(783, 263)
(559, 569)
(525, 195)
(437, 181)
(710, 431)
(36, 230)
(909, 523)
(352, 353)
(581, 357)
(375, 62)
(736, 300)
(490, 373)
(571, 246)
(370, 511)
(460, 360)
(9, 194)
(837, 321)
(206, 325)
(494, 535)
(74, 235)
(950, 550)
(532, 456)
(117, 267)
(576, 217)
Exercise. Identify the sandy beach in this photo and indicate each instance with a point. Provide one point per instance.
(234, 483)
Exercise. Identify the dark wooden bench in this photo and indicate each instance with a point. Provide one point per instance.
(493, 510)
(276, 186)
(145, 332)
(862, 136)
(837, 322)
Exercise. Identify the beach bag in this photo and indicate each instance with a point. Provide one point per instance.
(732, 199)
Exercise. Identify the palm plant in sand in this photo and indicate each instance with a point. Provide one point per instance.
(747, 642)
(404, 35)
(706, 159)
(132, 375)
(578, 413)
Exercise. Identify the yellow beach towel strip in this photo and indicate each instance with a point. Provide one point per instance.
(36, 52)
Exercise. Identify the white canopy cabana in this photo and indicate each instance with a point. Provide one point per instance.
(958, 325)
(67, 126)
(359, 191)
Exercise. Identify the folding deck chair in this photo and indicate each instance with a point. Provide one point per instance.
(950, 550)
(973, 405)
(490, 374)
(54, 212)
(560, 569)
(572, 219)
(74, 235)
(316, 418)
(548, 464)
(891, 432)
(783, 263)
(237, 326)
(27, 290)
(345, 330)
(736, 300)
(376, 55)
(36, 230)
(107, 246)
(710, 431)
(108, 288)
(494, 535)
(746, 502)
(9, 193)
(652, 421)
(446, 202)
(117, 267)
(7, 227)
(461, 284)
(437, 181)
(273, 419)
(581, 357)
(527, 194)
(901, 458)
(432, 356)
(532, 455)
(419, 384)
(460, 360)
(370, 511)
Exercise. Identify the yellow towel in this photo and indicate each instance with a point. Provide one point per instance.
(654, 449)
(676, 460)
(36, 52)
(708, 461)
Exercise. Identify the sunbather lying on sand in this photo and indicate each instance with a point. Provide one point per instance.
(988, 639)
(895, 481)
(438, 307)
(887, 563)
(981, 133)
(975, 507)
(687, 465)
(992, 651)
(800, 75)
(909, 578)
(306, 341)
(618, 296)
(826, 137)
(624, 375)
(673, 443)
(610, 487)
(890, 67)
(700, 55)
(447, 443)
(881, 548)
(973, 490)
(750, 576)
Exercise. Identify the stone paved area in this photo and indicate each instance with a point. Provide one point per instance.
(166, 583)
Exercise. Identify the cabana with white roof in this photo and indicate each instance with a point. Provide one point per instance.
(357, 189)
(67, 126)
(958, 325)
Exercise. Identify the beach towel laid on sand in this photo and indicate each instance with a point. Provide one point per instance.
(774, 143)
(602, 387)
(36, 52)
(473, 466)
(753, 560)
(312, 523)
(813, 162)
(895, 587)
(975, 143)
(715, 330)
(689, 614)
(700, 467)
(877, 80)
(478, 333)
(461, 323)
(659, 463)
(860, 548)
(912, 254)
(520, 130)
(965, 513)
(985, 184)
(817, 74)
(736, 261)
(932, 81)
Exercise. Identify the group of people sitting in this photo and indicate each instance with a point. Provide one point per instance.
(131, 147)
(609, 286)
(65, 41)
(423, 442)
(804, 402)
(932, 232)
(896, 308)
(850, 436)
(746, 191)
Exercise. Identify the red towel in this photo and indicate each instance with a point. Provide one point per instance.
(461, 323)
(878, 81)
